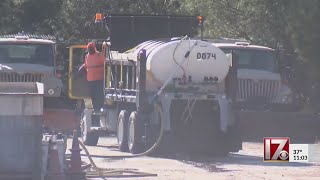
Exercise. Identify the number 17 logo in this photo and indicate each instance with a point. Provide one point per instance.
(276, 149)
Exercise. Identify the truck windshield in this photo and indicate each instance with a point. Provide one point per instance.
(27, 53)
(254, 59)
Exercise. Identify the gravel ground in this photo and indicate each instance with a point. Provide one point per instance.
(246, 164)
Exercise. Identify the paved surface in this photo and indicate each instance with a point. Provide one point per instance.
(246, 164)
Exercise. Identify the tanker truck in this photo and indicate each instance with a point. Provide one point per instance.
(162, 92)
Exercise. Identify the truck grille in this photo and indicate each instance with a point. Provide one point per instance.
(257, 88)
(15, 77)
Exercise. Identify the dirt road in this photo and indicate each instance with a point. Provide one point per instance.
(247, 164)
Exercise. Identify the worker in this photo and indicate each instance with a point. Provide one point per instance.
(94, 66)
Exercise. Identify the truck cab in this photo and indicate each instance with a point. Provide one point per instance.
(26, 58)
(260, 85)
(30, 59)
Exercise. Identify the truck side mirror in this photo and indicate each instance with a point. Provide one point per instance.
(229, 56)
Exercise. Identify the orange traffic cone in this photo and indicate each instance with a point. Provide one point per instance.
(54, 168)
(75, 172)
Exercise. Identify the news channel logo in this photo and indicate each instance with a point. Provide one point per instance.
(279, 149)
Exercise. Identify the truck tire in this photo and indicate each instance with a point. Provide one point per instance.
(122, 131)
(135, 130)
(89, 138)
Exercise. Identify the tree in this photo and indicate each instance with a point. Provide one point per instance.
(8, 22)
(258, 21)
(288, 22)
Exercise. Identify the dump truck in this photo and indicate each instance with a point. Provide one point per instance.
(261, 86)
(35, 113)
(267, 103)
(32, 58)
(26, 58)
(162, 86)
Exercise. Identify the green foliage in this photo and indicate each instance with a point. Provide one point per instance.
(292, 23)
(257, 21)
(8, 22)
(304, 33)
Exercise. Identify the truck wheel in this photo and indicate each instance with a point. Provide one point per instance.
(89, 138)
(122, 131)
(134, 134)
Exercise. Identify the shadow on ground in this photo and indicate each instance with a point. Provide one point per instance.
(110, 147)
(293, 139)
(215, 164)
(300, 127)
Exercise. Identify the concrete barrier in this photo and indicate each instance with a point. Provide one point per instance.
(21, 109)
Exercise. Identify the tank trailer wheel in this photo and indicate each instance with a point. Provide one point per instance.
(135, 130)
(89, 138)
(122, 131)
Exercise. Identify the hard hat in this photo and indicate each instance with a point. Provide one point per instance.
(91, 44)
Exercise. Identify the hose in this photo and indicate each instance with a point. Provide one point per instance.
(103, 171)
(173, 55)
(158, 109)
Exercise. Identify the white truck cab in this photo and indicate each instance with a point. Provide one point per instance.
(260, 86)
(32, 58)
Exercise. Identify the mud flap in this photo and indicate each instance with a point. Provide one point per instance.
(199, 134)
(229, 125)
(234, 138)
(226, 111)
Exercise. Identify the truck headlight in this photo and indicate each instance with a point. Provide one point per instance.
(286, 99)
(285, 95)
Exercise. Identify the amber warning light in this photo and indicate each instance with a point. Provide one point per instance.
(200, 19)
(98, 17)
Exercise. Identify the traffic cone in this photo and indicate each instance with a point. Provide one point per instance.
(75, 172)
(54, 168)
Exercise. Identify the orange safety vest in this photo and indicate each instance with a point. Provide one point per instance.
(94, 64)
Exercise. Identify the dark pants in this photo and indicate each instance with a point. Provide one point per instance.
(97, 94)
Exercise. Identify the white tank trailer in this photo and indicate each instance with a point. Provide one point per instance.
(163, 58)
(175, 93)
